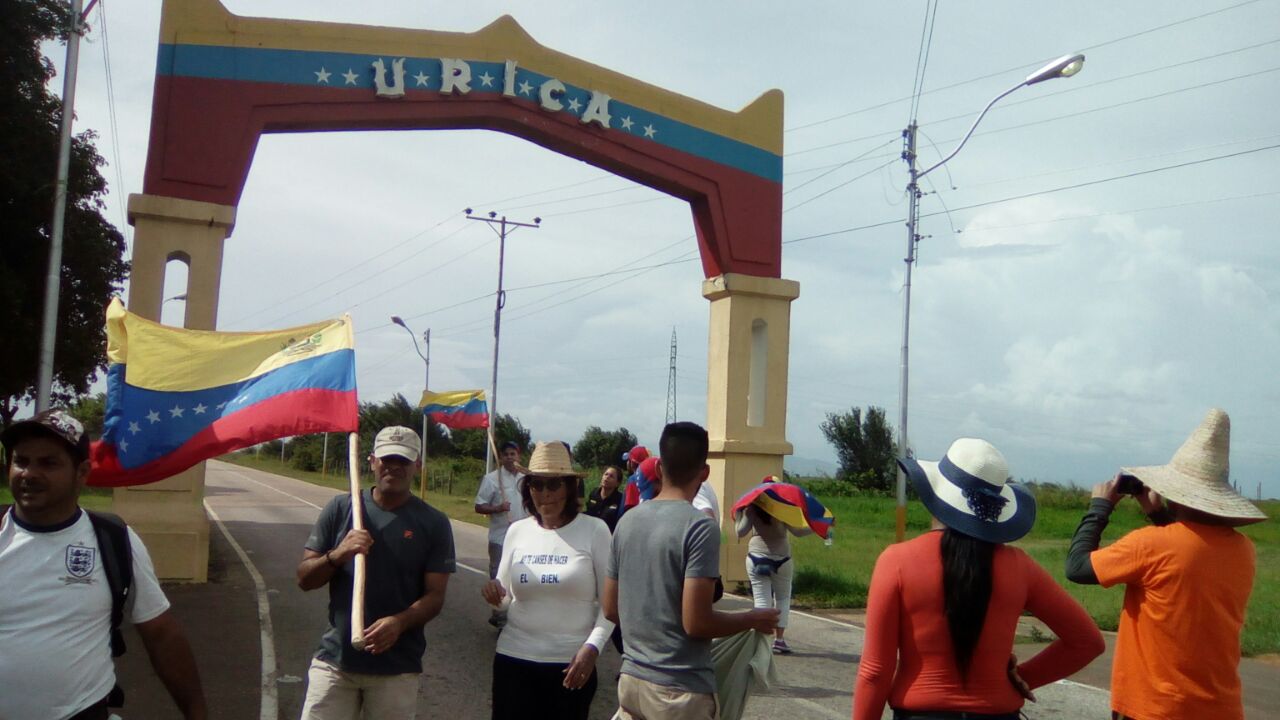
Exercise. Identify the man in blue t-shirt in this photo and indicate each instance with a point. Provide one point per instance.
(661, 581)
(409, 549)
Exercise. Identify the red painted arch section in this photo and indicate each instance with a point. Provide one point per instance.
(204, 132)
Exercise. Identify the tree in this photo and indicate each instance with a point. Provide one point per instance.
(864, 447)
(91, 411)
(598, 448)
(93, 265)
(399, 411)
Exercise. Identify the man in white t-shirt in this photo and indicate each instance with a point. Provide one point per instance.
(55, 600)
(499, 498)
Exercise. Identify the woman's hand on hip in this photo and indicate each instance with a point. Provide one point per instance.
(579, 671)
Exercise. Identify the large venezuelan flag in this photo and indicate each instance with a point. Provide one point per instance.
(176, 397)
(791, 504)
(458, 409)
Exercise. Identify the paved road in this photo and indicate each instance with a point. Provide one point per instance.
(268, 517)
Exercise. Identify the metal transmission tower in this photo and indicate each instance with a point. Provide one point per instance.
(671, 382)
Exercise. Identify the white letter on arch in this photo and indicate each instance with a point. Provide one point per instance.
(509, 79)
(396, 89)
(548, 93)
(597, 110)
(455, 74)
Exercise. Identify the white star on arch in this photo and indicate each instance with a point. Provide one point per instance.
(649, 131)
(134, 429)
(153, 417)
(422, 78)
(322, 75)
(574, 104)
(525, 87)
(350, 77)
(626, 123)
(176, 411)
(486, 79)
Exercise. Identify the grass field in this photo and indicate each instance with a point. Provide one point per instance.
(836, 576)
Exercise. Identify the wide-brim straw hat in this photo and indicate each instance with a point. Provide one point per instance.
(1198, 476)
(551, 459)
(970, 490)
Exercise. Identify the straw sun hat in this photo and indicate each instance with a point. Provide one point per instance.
(551, 459)
(969, 490)
(1198, 475)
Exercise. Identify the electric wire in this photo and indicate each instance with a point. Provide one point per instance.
(117, 164)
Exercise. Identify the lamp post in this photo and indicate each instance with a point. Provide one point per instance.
(426, 379)
(1065, 66)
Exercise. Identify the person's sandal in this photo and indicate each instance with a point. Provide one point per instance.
(780, 647)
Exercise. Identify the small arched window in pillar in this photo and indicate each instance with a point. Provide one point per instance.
(757, 385)
(173, 308)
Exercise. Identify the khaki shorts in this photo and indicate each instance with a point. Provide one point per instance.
(642, 700)
(336, 695)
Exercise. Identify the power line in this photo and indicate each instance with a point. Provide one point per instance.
(922, 68)
(1016, 68)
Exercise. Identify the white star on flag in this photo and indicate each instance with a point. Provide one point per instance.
(486, 79)
(574, 104)
(134, 429)
(176, 411)
(649, 131)
(422, 78)
(124, 446)
(350, 76)
(221, 405)
(322, 75)
(200, 408)
(525, 87)
(153, 417)
(626, 123)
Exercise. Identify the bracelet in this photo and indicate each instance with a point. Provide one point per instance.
(329, 559)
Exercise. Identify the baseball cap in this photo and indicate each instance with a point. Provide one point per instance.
(637, 455)
(50, 423)
(651, 469)
(397, 440)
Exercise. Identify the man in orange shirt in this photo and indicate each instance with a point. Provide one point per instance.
(1187, 581)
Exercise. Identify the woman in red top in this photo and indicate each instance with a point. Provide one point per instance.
(943, 608)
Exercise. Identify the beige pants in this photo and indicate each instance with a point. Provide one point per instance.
(642, 700)
(336, 695)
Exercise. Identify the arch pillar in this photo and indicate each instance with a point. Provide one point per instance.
(169, 515)
(748, 338)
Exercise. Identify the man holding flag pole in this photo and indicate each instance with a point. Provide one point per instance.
(372, 661)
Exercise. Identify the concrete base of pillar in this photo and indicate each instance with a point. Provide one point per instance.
(170, 518)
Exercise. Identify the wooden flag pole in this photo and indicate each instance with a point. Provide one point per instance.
(357, 523)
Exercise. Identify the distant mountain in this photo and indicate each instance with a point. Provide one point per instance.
(809, 467)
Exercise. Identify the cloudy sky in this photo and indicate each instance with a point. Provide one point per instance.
(1100, 263)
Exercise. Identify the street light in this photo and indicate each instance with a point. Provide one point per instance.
(1065, 66)
(426, 377)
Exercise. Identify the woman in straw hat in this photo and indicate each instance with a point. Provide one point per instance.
(1187, 580)
(550, 579)
(943, 608)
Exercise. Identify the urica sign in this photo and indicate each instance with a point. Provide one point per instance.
(455, 76)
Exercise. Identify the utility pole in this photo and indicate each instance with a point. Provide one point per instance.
(502, 226)
(426, 385)
(53, 281)
(913, 240)
(671, 382)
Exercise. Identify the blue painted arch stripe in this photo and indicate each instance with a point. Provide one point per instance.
(299, 67)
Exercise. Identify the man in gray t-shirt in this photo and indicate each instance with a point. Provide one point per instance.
(661, 579)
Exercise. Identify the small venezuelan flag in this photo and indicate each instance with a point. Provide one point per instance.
(176, 397)
(458, 409)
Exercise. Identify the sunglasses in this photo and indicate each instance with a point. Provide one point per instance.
(550, 484)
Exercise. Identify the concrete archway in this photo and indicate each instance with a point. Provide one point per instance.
(224, 80)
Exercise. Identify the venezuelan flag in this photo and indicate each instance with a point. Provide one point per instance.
(791, 504)
(457, 409)
(176, 397)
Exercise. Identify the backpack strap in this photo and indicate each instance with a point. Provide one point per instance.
(117, 563)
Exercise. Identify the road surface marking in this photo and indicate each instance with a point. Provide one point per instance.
(269, 708)
(242, 476)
